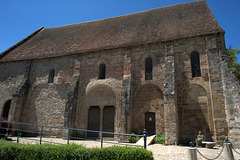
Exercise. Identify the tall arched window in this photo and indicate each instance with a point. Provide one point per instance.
(195, 63)
(102, 71)
(51, 76)
(148, 68)
(6, 109)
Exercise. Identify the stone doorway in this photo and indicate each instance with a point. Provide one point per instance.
(148, 101)
(108, 120)
(104, 99)
(101, 119)
(6, 108)
(93, 121)
(150, 123)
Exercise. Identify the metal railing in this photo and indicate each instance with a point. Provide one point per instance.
(228, 147)
(41, 131)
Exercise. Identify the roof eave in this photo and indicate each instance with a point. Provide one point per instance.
(4, 53)
(111, 48)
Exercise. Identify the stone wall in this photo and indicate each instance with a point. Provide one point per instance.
(46, 101)
(12, 75)
(90, 87)
(182, 104)
(231, 87)
(147, 95)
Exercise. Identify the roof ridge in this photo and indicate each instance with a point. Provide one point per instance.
(122, 16)
(20, 42)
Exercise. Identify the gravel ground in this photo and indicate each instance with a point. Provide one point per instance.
(160, 152)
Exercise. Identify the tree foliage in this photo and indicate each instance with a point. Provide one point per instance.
(232, 54)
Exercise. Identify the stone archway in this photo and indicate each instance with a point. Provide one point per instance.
(104, 99)
(6, 108)
(148, 100)
(193, 114)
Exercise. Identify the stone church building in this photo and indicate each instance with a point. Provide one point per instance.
(165, 70)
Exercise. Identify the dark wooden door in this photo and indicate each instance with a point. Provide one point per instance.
(150, 123)
(93, 121)
(108, 120)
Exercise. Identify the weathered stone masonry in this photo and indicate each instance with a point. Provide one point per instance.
(132, 72)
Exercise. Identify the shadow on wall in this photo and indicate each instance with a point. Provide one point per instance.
(44, 107)
(148, 100)
(193, 115)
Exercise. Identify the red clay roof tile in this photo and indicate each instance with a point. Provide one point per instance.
(158, 25)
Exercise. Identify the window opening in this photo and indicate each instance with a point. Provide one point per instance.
(102, 71)
(195, 64)
(148, 68)
(51, 76)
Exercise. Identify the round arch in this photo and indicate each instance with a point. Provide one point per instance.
(148, 100)
(193, 114)
(194, 48)
(100, 96)
(100, 106)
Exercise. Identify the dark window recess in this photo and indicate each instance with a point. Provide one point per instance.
(148, 68)
(195, 64)
(102, 71)
(6, 109)
(51, 76)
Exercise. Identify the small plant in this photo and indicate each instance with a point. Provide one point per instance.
(160, 138)
(77, 136)
(133, 139)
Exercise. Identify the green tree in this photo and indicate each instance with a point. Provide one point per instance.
(232, 55)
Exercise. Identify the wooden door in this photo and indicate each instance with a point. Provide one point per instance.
(150, 123)
(93, 121)
(108, 120)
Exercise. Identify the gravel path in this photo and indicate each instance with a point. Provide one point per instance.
(160, 152)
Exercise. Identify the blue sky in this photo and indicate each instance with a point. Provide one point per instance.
(19, 18)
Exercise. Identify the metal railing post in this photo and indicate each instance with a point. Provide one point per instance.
(101, 139)
(227, 151)
(68, 136)
(145, 138)
(41, 135)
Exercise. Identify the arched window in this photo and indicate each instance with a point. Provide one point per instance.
(102, 71)
(148, 68)
(51, 76)
(195, 63)
(6, 109)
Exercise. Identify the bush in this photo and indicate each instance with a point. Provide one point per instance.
(160, 138)
(133, 139)
(12, 151)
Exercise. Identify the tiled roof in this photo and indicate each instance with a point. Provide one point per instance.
(158, 25)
